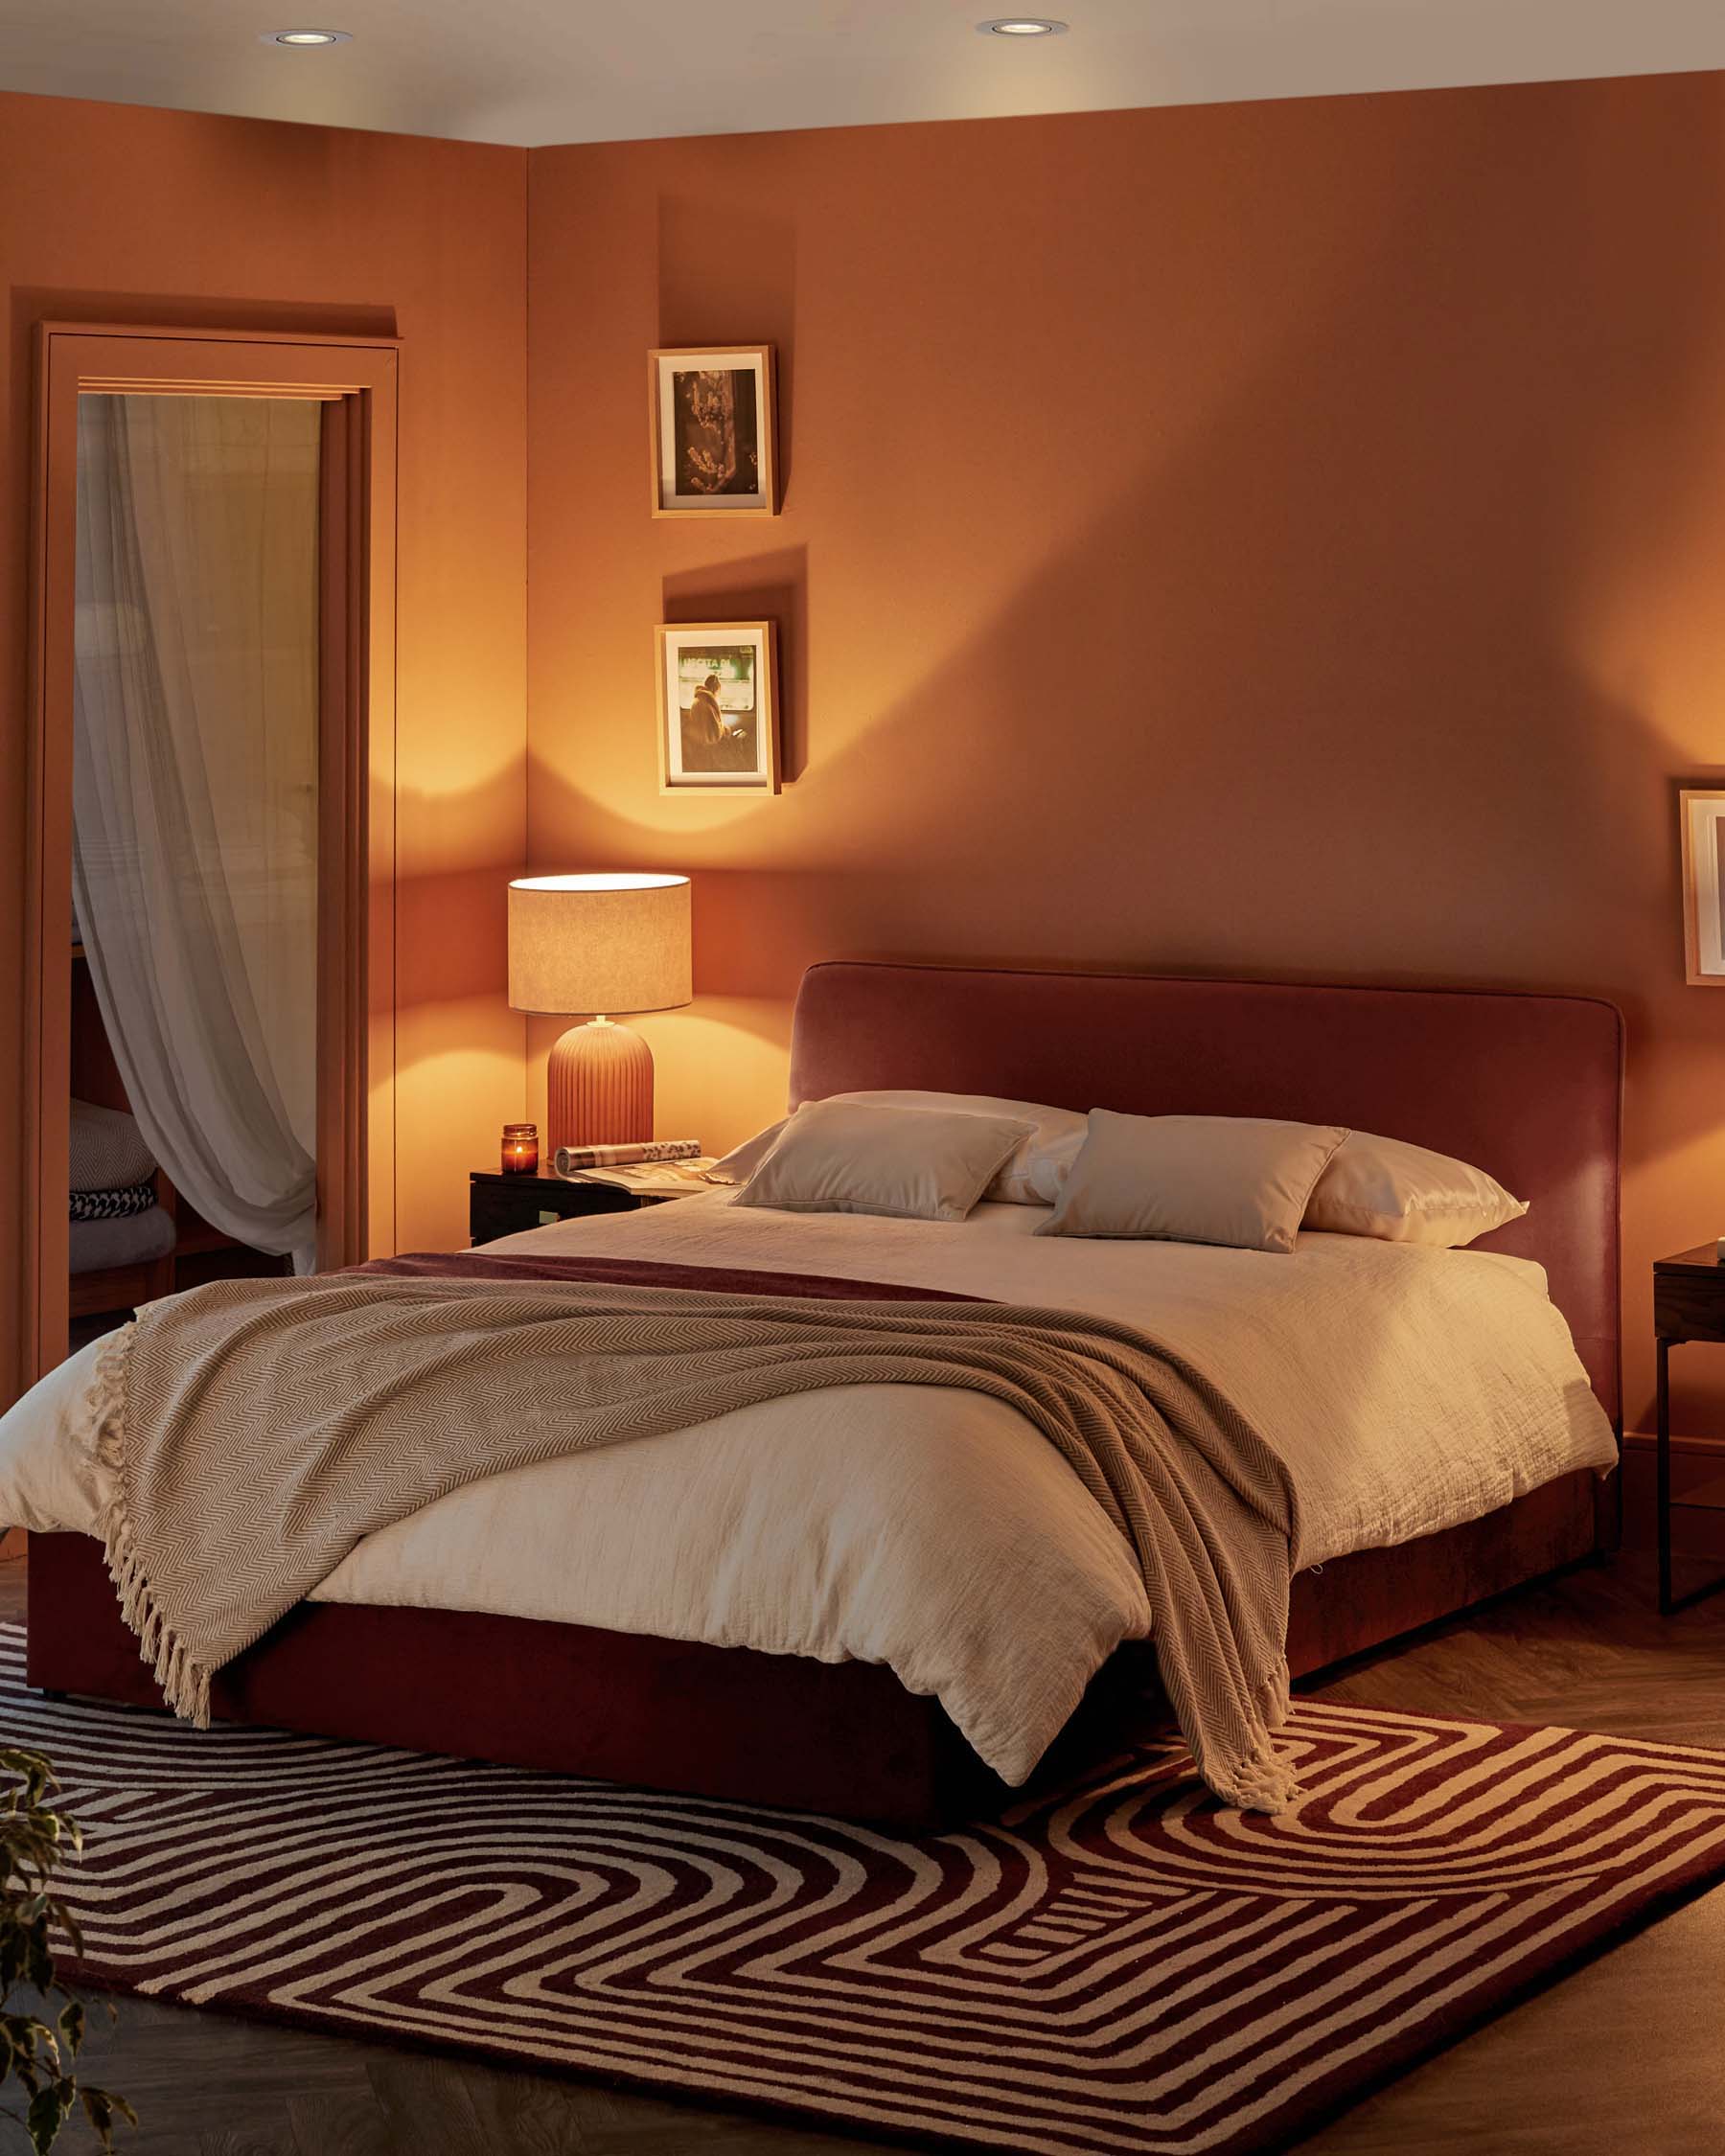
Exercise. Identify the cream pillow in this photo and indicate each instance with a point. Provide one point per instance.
(1401, 1193)
(1193, 1179)
(854, 1156)
(742, 1160)
(1029, 1177)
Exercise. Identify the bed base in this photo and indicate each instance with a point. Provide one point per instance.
(1528, 1086)
(843, 1739)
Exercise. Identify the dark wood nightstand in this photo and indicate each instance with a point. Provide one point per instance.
(1689, 1303)
(500, 1204)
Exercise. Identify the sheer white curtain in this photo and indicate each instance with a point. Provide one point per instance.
(194, 790)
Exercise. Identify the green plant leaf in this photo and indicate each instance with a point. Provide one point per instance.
(60, 1914)
(16, 1759)
(23, 2033)
(99, 2112)
(72, 2026)
(39, 1962)
(101, 2107)
(47, 2114)
(35, 1840)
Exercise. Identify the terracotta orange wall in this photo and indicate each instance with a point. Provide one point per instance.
(119, 213)
(1276, 538)
(1281, 539)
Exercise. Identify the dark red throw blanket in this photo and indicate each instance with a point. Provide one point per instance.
(649, 1272)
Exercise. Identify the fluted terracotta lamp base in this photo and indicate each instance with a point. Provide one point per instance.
(599, 941)
(599, 1087)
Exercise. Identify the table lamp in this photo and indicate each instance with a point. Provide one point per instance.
(600, 944)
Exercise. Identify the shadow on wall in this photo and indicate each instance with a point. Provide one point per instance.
(1375, 708)
(1288, 685)
(727, 275)
(451, 923)
(765, 587)
(459, 1048)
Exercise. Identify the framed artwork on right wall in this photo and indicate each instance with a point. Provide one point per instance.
(1702, 813)
(714, 422)
(718, 707)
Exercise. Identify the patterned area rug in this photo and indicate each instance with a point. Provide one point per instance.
(1126, 1968)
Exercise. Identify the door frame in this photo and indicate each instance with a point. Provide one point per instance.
(356, 379)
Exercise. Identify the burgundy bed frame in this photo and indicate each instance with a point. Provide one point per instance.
(1528, 1086)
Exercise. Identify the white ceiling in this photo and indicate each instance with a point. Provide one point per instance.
(548, 71)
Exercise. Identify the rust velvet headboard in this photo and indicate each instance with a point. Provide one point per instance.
(1526, 1086)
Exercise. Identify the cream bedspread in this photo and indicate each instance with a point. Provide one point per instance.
(1405, 1389)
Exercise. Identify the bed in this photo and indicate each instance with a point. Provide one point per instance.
(1526, 1087)
(123, 1232)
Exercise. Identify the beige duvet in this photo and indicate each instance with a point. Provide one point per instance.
(1405, 1389)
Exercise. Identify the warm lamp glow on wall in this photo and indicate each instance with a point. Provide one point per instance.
(599, 944)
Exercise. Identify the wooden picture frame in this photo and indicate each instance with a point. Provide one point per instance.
(1701, 820)
(718, 707)
(713, 413)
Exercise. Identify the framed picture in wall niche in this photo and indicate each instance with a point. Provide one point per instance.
(718, 707)
(1702, 813)
(714, 422)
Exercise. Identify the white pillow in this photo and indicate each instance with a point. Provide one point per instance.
(107, 1150)
(1030, 1176)
(1193, 1179)
(742, 1160)
(855, 1157)
(1401, 1193)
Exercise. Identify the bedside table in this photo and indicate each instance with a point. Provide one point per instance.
(1689, 1304)
(500, 1204)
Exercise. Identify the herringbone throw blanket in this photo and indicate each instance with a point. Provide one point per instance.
(258, 1428)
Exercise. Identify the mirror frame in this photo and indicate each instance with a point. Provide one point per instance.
(356, 382)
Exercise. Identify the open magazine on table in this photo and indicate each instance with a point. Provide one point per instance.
(652, 1178)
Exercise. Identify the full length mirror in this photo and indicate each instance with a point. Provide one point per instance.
(212, 1012)
(192, 1136)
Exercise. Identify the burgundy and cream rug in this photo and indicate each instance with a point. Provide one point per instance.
(1126, 1968)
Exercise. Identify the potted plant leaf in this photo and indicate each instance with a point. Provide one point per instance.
(38, 2060)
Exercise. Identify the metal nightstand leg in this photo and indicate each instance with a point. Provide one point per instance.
(1670, 1603)
(1663, 1498)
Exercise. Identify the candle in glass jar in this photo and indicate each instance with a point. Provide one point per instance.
(520, 1149)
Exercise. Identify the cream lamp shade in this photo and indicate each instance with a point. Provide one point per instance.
(599, 943)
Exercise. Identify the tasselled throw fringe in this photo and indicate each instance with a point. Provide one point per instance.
(1265, 1780)
(185, 1684)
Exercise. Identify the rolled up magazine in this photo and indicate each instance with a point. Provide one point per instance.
(571, 1159)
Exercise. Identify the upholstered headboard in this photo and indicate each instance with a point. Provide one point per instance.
(1529, 1087)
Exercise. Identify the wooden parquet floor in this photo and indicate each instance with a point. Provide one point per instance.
(1625, 2058)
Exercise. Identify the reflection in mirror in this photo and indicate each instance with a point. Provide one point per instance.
(194, 842)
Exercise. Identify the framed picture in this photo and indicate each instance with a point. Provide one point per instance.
(718, 707)
(1703, 818)
(714, 416)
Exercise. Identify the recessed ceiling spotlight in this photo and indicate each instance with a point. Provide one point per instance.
(1022, 25)
(307, 37)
